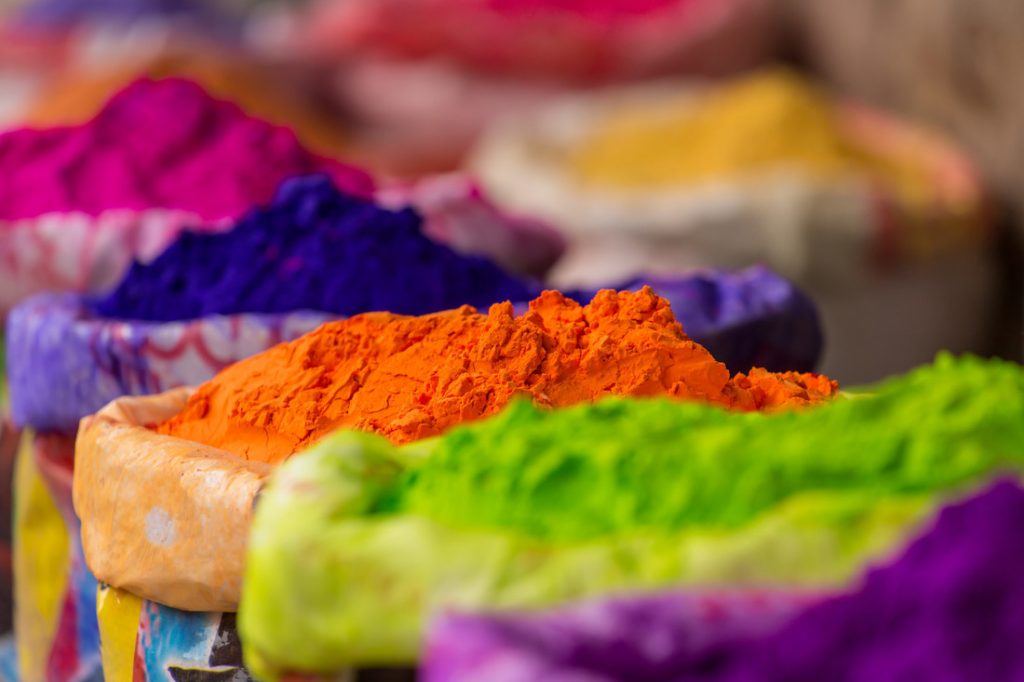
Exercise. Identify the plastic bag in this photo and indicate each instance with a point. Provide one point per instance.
(176, 528)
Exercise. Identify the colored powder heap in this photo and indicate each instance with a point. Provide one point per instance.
(409, 378)
(313, 248)
(660, 464)
(947, 610)
(158, 144)
(773, 119)
(77, 95)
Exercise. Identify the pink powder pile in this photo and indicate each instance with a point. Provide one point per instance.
(158, 144)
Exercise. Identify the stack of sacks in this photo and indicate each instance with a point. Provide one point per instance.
(165, 513)
(872, 216)
(357, 544)
(427, 75)
(947, 609)
(209, 300)
(215, 297)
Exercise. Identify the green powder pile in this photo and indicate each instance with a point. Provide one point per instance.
(356, 544)
(625, 465)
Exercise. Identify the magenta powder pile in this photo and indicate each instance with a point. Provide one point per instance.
(158, 144)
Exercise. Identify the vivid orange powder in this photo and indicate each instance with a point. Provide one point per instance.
(409, 378)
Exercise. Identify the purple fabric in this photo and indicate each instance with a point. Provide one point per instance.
(950, 609)
(63, 363)
(746, 318)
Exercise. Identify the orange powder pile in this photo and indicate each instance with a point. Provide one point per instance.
(408, 378)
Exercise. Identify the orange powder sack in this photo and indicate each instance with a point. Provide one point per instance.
(408, 378)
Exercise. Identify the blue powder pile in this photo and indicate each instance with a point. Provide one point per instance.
(312, 248)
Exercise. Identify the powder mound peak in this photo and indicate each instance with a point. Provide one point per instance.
(409, 378)
(158, 144)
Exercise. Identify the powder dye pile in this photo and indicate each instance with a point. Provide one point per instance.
(312, 248)
(158, 144)
(772, 120)
(536, 507)
(409, 378)
(663, 464)
(946, 610)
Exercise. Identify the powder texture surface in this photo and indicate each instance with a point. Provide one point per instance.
(409, 378)
(313, 248)
(946, 610)
(661, 464)
(158, 144)
(772, 120)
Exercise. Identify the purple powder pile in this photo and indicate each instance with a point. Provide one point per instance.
(950, 609)
(158, 144)
(313, 248)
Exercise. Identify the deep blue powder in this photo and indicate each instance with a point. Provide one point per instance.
(312, 248)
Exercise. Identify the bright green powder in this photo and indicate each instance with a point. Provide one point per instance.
(357, 543)
(624, 465)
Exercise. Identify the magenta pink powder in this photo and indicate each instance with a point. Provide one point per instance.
(158, 144)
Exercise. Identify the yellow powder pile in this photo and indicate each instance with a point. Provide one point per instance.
(773, 119)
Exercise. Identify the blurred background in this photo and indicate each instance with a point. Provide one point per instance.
(871, 152)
